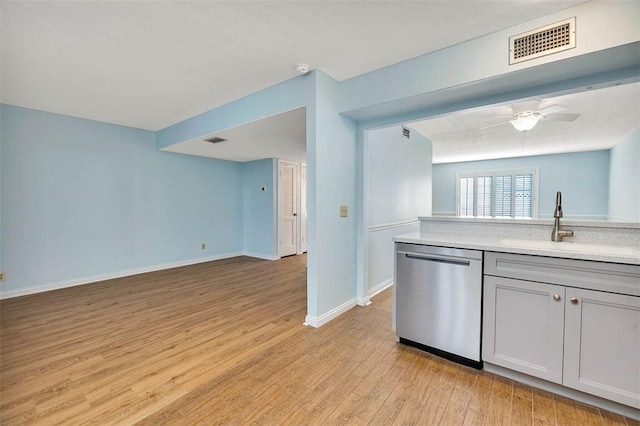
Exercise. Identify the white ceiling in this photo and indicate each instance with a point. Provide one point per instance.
(606, 116)
(281, 136)
(150, 64)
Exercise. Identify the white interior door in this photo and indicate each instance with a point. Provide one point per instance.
(287, 208)
(303, 208)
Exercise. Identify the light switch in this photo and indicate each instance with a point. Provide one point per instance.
(343, 211)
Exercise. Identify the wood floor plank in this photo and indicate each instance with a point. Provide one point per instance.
(456, 409)
(612, 419)
(440, 391)
(223, 343)
(479, 399)
(587, 415)
(565, 410)
(521, 411)
(501, 400)
(544, 409)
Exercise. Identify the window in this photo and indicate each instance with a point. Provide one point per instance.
(497, 194)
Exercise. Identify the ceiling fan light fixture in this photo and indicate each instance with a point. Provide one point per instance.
(525, 121)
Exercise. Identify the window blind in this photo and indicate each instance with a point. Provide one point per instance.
(524, 195)
(485, 196)
(467, 191)
(497, 194)
(503, 196)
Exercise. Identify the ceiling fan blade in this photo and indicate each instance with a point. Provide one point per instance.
(495, 125)
(562, 117)
(551, 109)
(525, 106)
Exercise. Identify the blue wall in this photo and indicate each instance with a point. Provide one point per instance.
(583, 178)
(624, 182)
(331, 183)
(398, 190)
(260, 208)
(83, 200)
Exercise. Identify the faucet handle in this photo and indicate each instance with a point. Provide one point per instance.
(565, 233)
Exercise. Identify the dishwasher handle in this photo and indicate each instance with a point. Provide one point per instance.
(439, 259)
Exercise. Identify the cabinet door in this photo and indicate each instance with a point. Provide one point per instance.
(602, 345)
(523, 326)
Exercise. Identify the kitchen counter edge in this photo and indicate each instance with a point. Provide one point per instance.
(493, 244)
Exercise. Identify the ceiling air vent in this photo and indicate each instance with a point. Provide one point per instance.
(215, 139)
(406, 133)
(543, 41)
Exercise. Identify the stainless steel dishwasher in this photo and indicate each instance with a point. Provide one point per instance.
(438, 300)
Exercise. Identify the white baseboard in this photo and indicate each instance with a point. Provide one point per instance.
(260, 255)
(381, 287)
(334, 313)
(366, 301)
(120, 274)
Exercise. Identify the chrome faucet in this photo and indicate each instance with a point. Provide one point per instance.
(557, 234)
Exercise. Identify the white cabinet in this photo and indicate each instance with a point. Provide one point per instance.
(602, 345)
(522, 327)
(585, 339)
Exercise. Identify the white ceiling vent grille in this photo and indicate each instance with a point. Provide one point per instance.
(543, 41)
(406, 133)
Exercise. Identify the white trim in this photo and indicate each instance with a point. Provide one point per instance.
(364, 301)
(303, 214)
(296, 195)
(111, 276)
(260, 255)
(384, 226)
(334, 313)
(381, 287)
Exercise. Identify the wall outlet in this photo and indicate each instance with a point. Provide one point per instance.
(1, 276)
(343, 211)
(203, 246)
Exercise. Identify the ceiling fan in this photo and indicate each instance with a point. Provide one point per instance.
(525, 116)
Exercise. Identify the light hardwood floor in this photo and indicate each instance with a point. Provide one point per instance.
(223, 342)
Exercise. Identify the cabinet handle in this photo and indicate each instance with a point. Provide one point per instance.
(574, 300)
(556, 297)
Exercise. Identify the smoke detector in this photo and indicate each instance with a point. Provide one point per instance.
(302, 68)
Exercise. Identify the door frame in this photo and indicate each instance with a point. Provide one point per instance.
(296, 167)
(302, 210)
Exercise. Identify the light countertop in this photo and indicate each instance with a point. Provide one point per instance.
(565, 249)
(545, 222)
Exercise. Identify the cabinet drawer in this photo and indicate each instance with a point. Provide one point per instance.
(602, 276)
